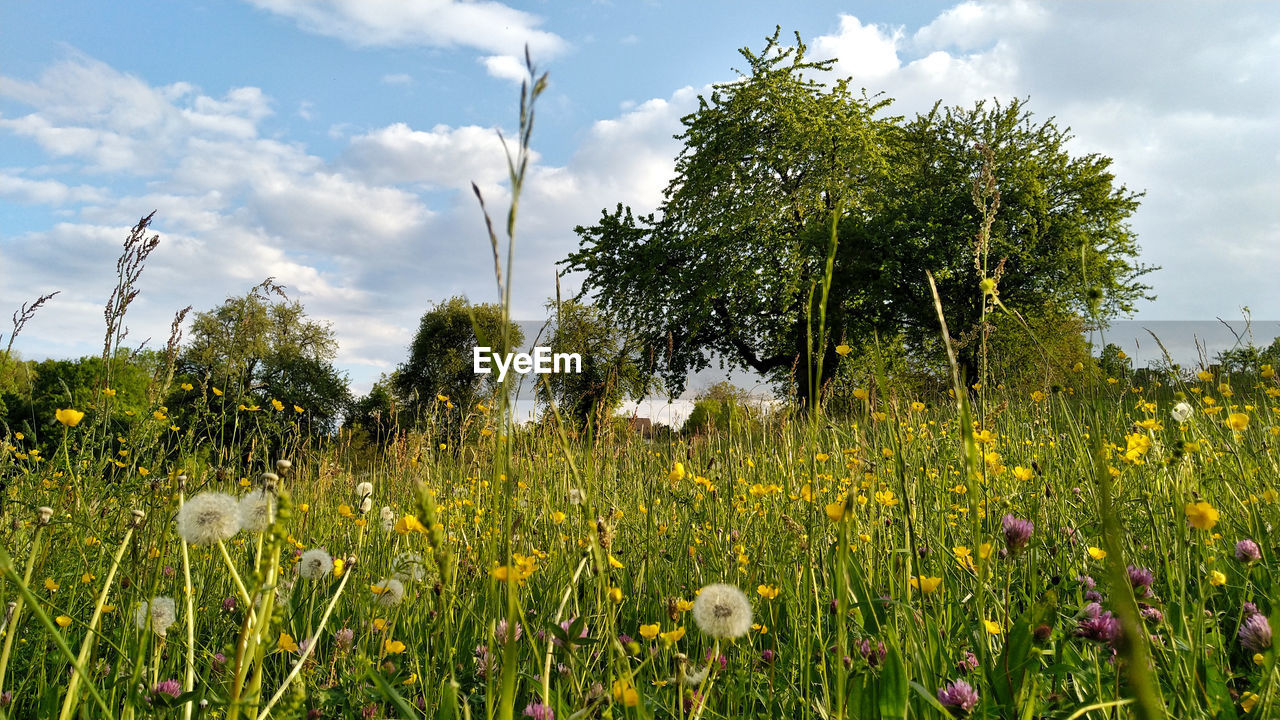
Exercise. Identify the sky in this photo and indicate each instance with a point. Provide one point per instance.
(331, 144)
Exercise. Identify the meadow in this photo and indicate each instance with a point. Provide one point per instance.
(1099, 547)
(900, 562)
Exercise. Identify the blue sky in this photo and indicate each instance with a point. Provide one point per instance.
(330, 143)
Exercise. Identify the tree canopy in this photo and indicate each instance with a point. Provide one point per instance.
(441, 355)
(729, 262)
(609, 369)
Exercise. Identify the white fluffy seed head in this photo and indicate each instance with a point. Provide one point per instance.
(722, 611)
(1182, 412)
(365, 505)
(392, 591)
(315, 564)
(256, 510)
(408, 567)
(364, 489)
(159, 614)
(209, 517)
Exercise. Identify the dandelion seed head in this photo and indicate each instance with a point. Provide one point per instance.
(159, 614)
(722, 611)
(256, 510)
(315, 564)
(208, 518)
(392, 592)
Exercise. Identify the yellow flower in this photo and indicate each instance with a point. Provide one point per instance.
(672, 636)
(304, 507)
(1097, 553)
(917, 406)
(768, 592)
(886, 498)
(835, 510)
(345, 511)
(1023, 474)
(683, 605)
(843, 350)
(187, 386)
(1037, 396)
(442, 398)
(379, 624)
(277, 405)
(392, 647)
(557, 517)
(216, 391)
(615, 594)
(1247, 701)
(1217, 579)
(62, 620)
(338, 566)
(51, 585)
(677, 473)
(1259, 658)
(69, 417)
(624, 692)
(1201, 515)
(992, 627)
(861, 393)
(412, 679)
(408, 524)
(1204, 375)
(87, 578)
(1238, 421)
(925, 584)
(108, 392)
(649, 632)
(287, 643)
(298, 410)
(614, 563)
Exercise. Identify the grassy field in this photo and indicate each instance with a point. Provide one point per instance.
(1095, 552)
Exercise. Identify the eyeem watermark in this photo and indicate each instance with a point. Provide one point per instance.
(541, 362)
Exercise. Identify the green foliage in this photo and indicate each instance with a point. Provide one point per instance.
(609, 370)
(1247, 357)
(441, 359)
(261, 347)
(719, 408)
(57, 384)
(728, 262)
(374, 415)
(1113, 362)
(1040, 355)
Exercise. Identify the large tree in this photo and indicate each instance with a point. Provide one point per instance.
(610, 369)
(264, 347)
(441, 357)
(727, 263)
(733, 260)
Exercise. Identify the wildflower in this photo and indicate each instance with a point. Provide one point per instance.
(408, 524)
(160, 613)
(388, 519)
(1247, 551)
(500, 632)
(1217, 579)
(287, 643)
(673, 636)
(315, 564)
(843, 350)
(1201, 515)
(62, 620)
(1182, 412)
(959, 697)
(1097, 553)
(625, 693)
(1141, 579)
(1248, 701)
(767, 592)
(364, 489)
(256, 510)
(172, 688)
(392, 647)
(538, 711)
(1017, 532)
(992, 627)
(408, 567)
(677, 473)
(836, 510)
(722, 611)
(389, 591)
(68, 416)
(43, 514)
(924, 584)
(1238, 421)
(51, 585)
(1255, 633)
(344, 638)
(208, 518)
(968, 663)
(649, 632)
(1104, 628)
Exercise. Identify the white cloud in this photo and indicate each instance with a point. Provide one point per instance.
(442, 157)
(506, 67)
(397, 79)
(46, 192)
(482, 25)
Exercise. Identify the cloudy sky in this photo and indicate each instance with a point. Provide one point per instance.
(330, 143)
